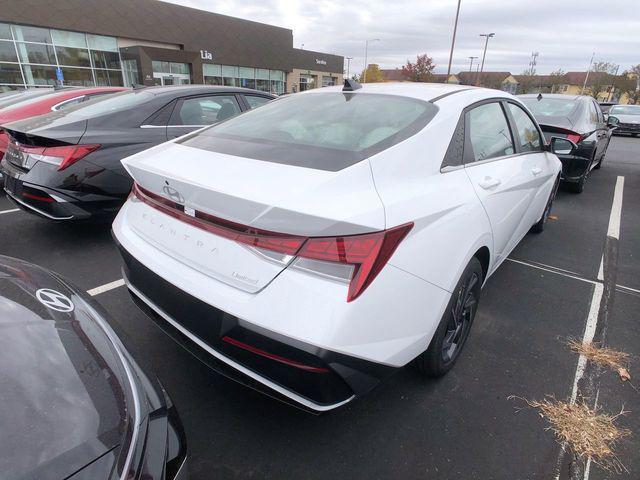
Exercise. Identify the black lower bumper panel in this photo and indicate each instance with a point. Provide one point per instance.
(324, 378)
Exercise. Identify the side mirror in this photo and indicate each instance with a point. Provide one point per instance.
(562, 146)
(612, 121)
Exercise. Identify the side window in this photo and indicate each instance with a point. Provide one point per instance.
(599, 112)
(255, 101)
(593, 112)
(527, 131)
(489, 132)
(199, 111)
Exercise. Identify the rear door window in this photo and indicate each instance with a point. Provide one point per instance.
(489, 133)
(205, 110)
(255, 101)
(528, 134)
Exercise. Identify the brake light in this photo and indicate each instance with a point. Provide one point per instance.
(366, 254)
(62, 156)
(574, 137)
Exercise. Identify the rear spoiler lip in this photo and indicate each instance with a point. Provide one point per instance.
(34, 140)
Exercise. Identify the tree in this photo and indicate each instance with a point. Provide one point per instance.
(557, 77)
(558, 73)
(421, 71)
(629, 83)
(374, 75)
(526, 82)
(601, 78)
(606, 67)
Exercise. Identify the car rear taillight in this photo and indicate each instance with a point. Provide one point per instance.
(62, 156)
(357, 259)
(574, 137)
(367, 254)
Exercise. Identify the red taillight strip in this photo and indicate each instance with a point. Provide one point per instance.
(279, 242)
(368, 253)
(273, 356)
(37, 197)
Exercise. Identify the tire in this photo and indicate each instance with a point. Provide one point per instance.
(454, 327)
(578, 187)
(538, 227)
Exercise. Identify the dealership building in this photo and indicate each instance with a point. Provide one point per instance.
(150, 42)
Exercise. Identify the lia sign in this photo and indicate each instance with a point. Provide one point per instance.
(204, 55)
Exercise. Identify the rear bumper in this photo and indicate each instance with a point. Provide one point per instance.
(315, 379)
(31, 193)
(573, 168)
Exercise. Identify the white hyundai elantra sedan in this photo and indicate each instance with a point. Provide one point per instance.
(311, 247)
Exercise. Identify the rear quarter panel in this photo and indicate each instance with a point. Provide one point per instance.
(450, 224)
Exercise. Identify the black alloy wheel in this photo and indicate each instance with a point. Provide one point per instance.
(455, 324)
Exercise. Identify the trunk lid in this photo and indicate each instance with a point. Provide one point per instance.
(54, 126)
(257, 195)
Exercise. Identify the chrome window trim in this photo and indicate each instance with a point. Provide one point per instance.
(57, 106)
(34, 209)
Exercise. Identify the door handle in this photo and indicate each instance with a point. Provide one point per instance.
(536, 170)
(489, 182)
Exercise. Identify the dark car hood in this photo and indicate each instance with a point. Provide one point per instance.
(63, 387)
(55, 125)
(554, 121)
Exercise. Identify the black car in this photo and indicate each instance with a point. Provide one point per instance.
(579, 119)
(75, 405)
(65, 165)
(628, 117)
(606, 106)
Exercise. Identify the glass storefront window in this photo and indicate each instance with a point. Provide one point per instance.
(328, 81)
(10, 73)
(130, 68)
(212, 80)
(263, 85)
(109, 78)
(8, 52)
(36, 53)
(276, 75)
(39, 75)
(76, 57)
(247, 83)
(100, 42)
(105, 59)
(179, 68)
(63, 38)
(31, 34)
(32, 52)
(230, 82)
(211, 70)
(262, 74)
(229, 71)
(80, 77)
(277, 87)
(5, 31)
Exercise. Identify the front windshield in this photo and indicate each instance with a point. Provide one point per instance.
(550, 107)
(625, 110)
(327, 131)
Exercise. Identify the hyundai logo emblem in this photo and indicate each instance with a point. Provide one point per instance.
(54, 300)
(173, 194)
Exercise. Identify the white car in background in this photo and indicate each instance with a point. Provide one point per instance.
(313, 246)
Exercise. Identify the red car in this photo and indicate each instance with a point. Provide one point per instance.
(39, 105)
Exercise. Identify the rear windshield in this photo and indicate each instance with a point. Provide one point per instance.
(625, 110)
(551, 107)
(105, 104)
(325, 131)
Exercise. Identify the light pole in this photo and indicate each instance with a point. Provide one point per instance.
(486, 43)
(471, 63)
(348, 65)
(366, 52)
(453, 41)
(584, 85)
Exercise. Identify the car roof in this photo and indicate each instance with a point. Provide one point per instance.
(554, 95)
(195, 89)
(420, 90)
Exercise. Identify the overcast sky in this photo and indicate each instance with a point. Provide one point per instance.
(564, 32)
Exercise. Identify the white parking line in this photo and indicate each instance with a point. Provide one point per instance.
(11, 210)
(556, 270)
(613, 232)
(106, 287)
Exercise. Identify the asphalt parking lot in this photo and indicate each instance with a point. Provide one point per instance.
(461, 426)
